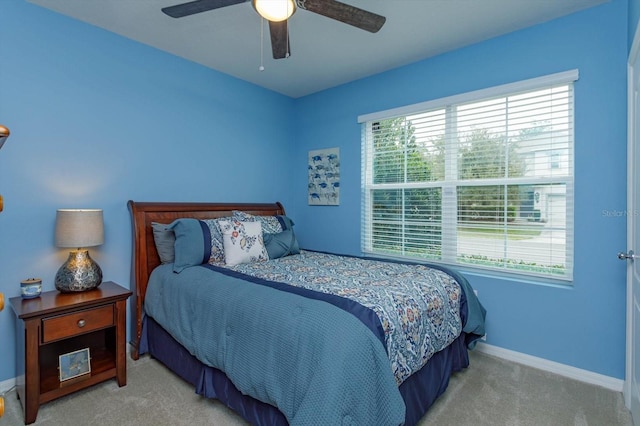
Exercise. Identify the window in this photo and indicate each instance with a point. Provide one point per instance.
(482, 180)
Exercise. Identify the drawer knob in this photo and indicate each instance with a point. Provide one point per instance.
(81, 323)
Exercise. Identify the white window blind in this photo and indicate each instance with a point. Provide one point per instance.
(483, 180)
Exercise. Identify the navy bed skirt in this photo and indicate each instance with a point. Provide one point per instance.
(419, 391)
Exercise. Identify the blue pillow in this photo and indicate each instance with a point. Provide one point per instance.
(281, 244)
(285, 222)
(193, 243)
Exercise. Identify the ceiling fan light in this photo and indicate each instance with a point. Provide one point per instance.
(274, 10)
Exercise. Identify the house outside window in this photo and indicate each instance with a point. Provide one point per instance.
(481, 180)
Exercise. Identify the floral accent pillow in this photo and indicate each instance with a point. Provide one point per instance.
(217, 247)
(243, 242)
(270, 224)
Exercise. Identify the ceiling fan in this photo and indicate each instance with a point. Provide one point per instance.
(277, 12)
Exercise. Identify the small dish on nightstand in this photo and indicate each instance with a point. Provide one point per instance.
(30, 288)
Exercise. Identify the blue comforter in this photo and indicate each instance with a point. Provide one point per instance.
(338, 374)
(258, 335)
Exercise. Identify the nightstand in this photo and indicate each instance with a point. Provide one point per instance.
(56, 324)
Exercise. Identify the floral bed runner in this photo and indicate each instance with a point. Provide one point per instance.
(418, 307)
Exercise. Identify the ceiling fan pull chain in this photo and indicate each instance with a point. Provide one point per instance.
(288, 46)
(261, 67)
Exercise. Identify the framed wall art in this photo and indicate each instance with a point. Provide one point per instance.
(324, 177)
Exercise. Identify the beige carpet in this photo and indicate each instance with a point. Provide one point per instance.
(490, 392)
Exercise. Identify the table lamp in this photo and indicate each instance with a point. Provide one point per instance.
(79, 229)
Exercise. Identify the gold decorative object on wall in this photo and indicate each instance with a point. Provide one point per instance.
(4, 134)
(1, 398)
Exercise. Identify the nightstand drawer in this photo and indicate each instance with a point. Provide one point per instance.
(69, 325)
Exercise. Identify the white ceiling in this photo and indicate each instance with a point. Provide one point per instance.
(324, 53)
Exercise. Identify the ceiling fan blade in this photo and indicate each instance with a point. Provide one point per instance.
(351, 15)
(279, 39)
(197, 6)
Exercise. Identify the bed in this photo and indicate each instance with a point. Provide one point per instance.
(279, 347)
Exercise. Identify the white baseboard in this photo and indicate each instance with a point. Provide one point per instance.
(528, 360)
(553, 367)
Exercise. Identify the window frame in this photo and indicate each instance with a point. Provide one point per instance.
(450, 184)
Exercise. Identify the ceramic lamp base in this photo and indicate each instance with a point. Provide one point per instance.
(78, 273)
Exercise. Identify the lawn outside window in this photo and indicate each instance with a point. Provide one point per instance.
(481, 180)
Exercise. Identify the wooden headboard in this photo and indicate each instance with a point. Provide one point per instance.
(144, 255)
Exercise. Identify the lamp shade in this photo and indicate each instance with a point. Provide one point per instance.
(77, 228)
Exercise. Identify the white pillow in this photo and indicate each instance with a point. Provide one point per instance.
(242, 242)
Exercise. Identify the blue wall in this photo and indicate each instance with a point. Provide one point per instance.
(97, 119)
(584, 325)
